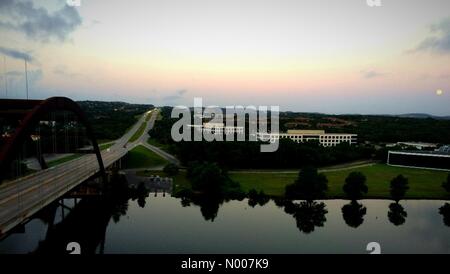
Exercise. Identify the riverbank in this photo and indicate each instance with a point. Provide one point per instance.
(424, 184)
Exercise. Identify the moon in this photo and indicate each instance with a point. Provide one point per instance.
(439, 92)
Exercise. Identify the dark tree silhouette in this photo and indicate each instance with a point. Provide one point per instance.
(255, 198)
(397, 214)
(309, 185)
(353, 214)
(171, 169)
(355, 185)
(210, 178)
(446, 184)
(445, 212)
(308, 214)
(399, 186)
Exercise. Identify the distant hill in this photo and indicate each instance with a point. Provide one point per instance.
(423, 116)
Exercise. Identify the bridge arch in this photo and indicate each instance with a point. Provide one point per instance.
(31, 119)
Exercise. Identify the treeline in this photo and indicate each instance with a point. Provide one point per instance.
(110, 120)
(379, 129)
(289, 154)
(397, 129)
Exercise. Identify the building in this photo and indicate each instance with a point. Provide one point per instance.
(416, 145)
(219, 128)
(438, 159)
(325, 139)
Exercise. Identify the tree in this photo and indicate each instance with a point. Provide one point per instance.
(171, 169)
(446, 185)
(308, 214)
(397, 214)
(309, 185)
(210, 178)
(399, 186)
(445, 212)
(353, 214)
(255, 198)
(355, 185)
(206, 177)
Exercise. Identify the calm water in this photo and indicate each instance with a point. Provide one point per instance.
(173, 225)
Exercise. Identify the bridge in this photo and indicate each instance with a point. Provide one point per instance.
(21, 198)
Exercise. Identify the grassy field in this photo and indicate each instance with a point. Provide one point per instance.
(138, 132)
(64, 159)
(157, 144)
(141, 157)
(424, 184)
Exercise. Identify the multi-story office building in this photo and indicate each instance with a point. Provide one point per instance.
(219, 128)
(325, 139)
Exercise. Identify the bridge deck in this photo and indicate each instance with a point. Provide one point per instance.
(21, 198)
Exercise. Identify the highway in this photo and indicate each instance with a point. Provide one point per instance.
(21, 198)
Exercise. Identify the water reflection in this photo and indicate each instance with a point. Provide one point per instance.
(353, 214)
(308, 214)
(255, 198)
(113, 223)
(209, 203)
(445, 212)
(397, 214)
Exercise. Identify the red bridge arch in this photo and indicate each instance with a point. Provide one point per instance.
(34, 110)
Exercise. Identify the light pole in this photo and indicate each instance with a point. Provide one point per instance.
(5, 77)
(26, 77)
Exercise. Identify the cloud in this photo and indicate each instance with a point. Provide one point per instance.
(370, 74)
(36, 22)
(16, 54)
(438, 40)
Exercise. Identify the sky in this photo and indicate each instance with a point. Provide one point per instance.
(325, 56)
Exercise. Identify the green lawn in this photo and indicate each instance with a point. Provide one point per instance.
(138, 132)
(423, 183)
(141, 157)
(64, 159)
(157, 144)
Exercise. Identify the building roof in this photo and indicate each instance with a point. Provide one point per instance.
(422, 153)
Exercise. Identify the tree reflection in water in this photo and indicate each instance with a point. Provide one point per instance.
(255, 198)
(209, 202)
(308, 214)
(397, 214)
(445, 212)
(353, 214)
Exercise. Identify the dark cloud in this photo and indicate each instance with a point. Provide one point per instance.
(36, 22)
(372, 74)
(438, 40)
(16, 54)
